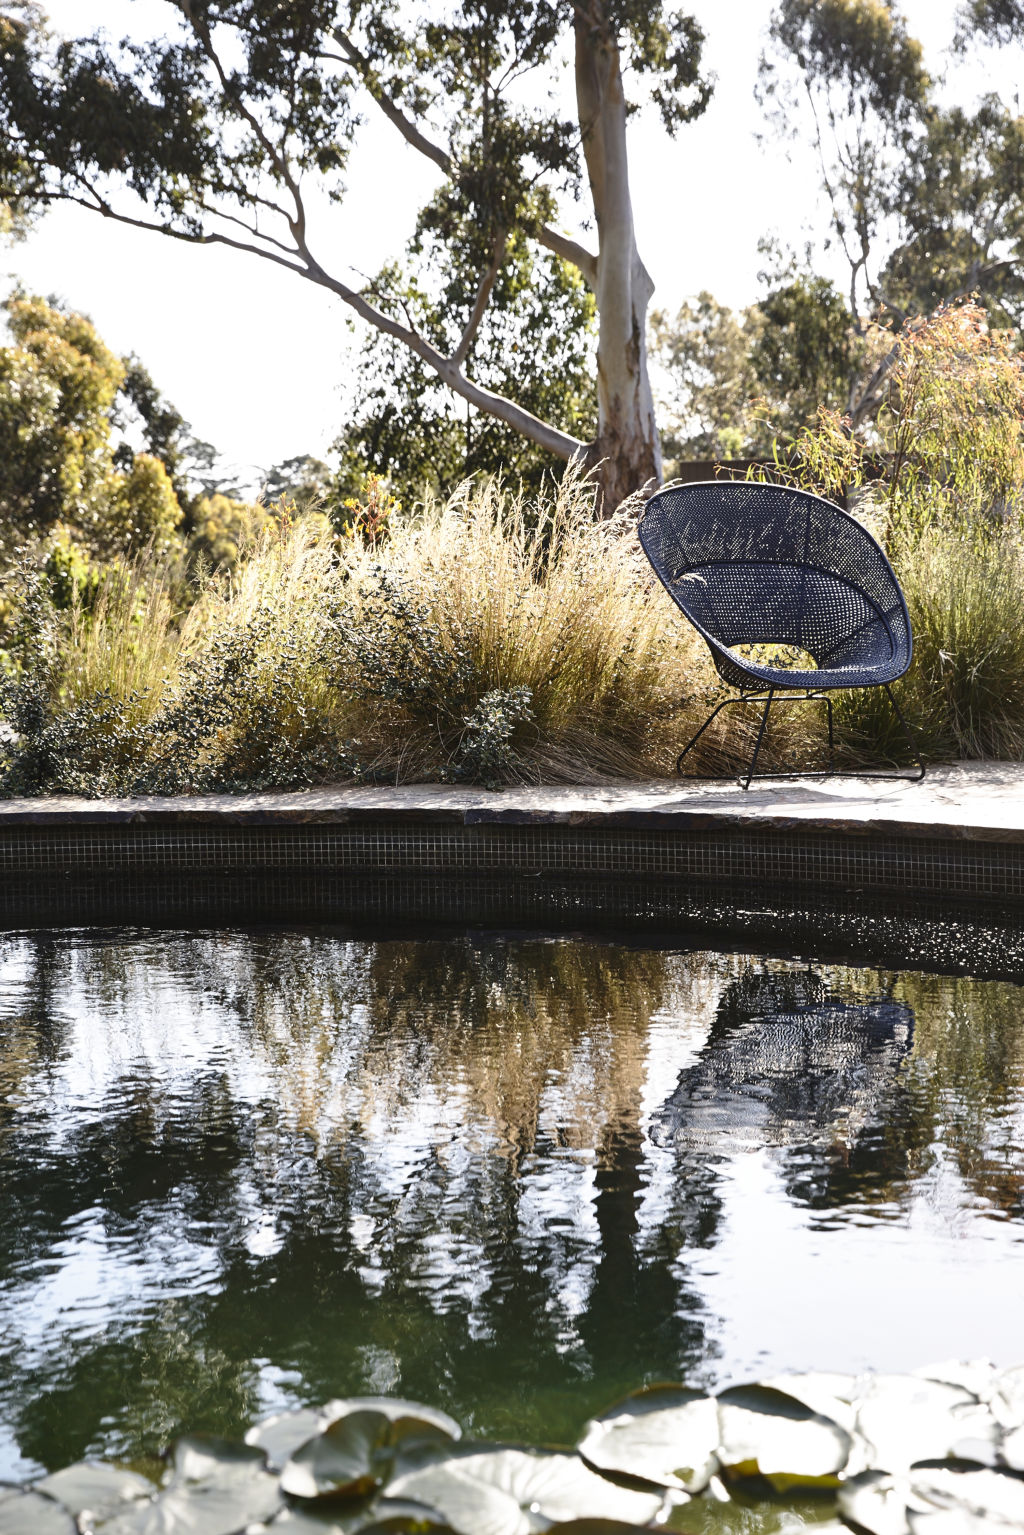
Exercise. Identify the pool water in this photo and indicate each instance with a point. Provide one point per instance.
(512, 1176)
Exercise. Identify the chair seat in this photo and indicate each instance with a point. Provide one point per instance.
(820, 679)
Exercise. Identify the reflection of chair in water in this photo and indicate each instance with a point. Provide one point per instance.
(786, 1064)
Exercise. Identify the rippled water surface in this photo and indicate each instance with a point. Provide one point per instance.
(514, 1177)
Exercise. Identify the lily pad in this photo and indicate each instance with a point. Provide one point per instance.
(30, 1513)
(355, 1454)
(393, 1516)
(1011, 1449)
(280, 1436)
(509, 1491)
(91, 1490)
(831, 1395)
(286, 1432)
(216, 1487)
(766, 1432)
(902, 1419)
(933, 1500)
(667, 1435)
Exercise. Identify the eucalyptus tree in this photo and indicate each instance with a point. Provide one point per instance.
(849, 71)
(235, 127)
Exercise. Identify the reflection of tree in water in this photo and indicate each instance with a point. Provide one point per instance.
(421, 1167)
(410, 1167)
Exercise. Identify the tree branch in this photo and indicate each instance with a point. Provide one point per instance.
(483, 294)
(569, 250)
(405, 125)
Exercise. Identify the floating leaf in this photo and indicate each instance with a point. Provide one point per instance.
(471, 1507)
(216, 1487)
(394, 1516)
(354, 1455)
(205, 1458)
(766, 1432)
(397, 1408)
(90, 1490)
(902, 1419)
(286, 1432)
(829, 1395)
(30, 1513)
(666, 1434)
(933, 1500)
(1007, 1400)
(280, 1436)
(1011, 1450)
(527, 1485)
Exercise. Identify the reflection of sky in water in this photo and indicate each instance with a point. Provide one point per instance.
(516, 1178)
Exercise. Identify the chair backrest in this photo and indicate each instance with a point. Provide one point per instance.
(751, 563)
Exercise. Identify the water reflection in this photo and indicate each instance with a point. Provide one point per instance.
(514, 1177)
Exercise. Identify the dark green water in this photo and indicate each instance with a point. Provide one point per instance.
(512, 1177)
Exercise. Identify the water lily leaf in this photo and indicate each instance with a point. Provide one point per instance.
(216, 1487)
(766, 1432)
(667, 1435)
(205, 1458)
(355, 1454)
(541, 1488)
(286, 1432)
(1011, 1450)
(1007, 1400)
(30, 1513)
(931, 1500)
(90, 1490)
(902, 1419)
(829, 1395)
(395, 1516)
(280, 1436)
(471, 1507)
(876, 1501)
(322, 1518)
(991, 1496)
(396, 1408)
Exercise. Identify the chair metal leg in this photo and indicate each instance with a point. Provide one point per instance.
(777, 697)
(831, 736)
(760, 737)
(911, 739)
(725, 704)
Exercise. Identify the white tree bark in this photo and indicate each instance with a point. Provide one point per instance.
(627, 435)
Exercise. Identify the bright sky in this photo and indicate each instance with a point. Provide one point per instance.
(257, 359)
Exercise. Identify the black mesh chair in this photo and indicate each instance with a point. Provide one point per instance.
(754, 564)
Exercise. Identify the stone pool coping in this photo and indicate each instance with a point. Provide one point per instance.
(932, 872)
(973, 802)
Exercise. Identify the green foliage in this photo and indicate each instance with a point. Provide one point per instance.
(952, 425)
(804, 353)
(535, 344)
(492, 640)
(704, 352)
(214, 127)
(58, 383)
(225, 530)
(994, 21)
(960, 195)
(734, 382)
(58, 465)
(849, 73)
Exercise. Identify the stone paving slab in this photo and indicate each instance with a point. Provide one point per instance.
(975, 801)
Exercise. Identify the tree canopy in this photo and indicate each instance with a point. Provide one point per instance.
(235, 128)
(59, 465)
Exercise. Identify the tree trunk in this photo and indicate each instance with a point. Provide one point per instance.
(627, 444)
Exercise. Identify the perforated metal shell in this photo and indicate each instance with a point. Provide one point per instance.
(764, 564)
